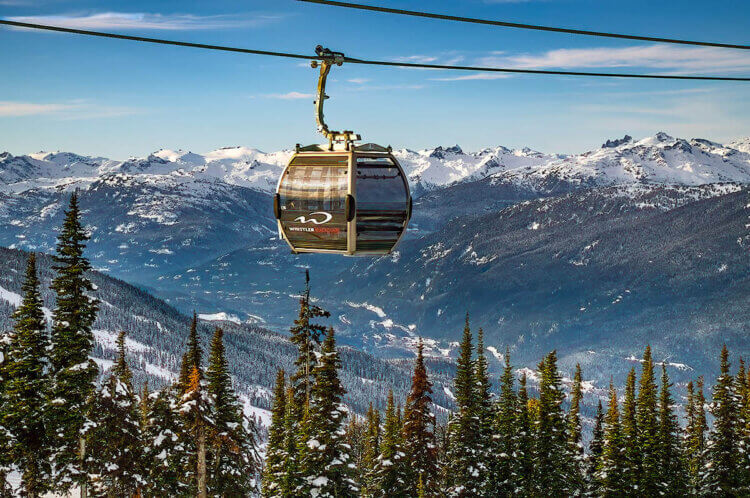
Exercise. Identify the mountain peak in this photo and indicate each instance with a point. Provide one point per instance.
(611, 144)
(440, 151)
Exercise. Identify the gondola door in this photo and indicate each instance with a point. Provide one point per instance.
(313, 202)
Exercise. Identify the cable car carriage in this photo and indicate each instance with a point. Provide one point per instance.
(341, 197)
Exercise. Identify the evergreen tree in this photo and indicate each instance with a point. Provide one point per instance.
(5, 436)
(390, 468)
(506, 431)
(291, 480)
(325, 459)
(575, 437)
(611, 475)
(23, 412)
(305, 335)
(630, 434)
(743, 401)
(165, 448)
(721, 477)
(370, 453)
(464, 426)
(195, 407)
(485, 419)
(275, 451)
(596, 450)
(551, 449)
(696, 429)
(114, 436)
(648, 428)
(417, 434)
(73, 373)
(672, 477)
(524, 447)
(234, 455)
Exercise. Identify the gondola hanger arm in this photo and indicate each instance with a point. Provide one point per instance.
(327, 59)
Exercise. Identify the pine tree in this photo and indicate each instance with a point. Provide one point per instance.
(305, 335)
(743, 401)
(551, 449)
(596, 450)
(73, 373)
(721, 478)
(630, 434)
(291, 480)
(390, 470)
(610, 474)
(417, 434)
(326, 463)
(165, 450)
(695, 437)
(23, 412)
(648, 428)
(114, 437)
(672, 477)
(275, 452)
(234, 455)
(195, 407)
(506, 430)
(575, 436)
(370, 453)
(485, 419)
(5, 435)
(524, 447)
(464, 426)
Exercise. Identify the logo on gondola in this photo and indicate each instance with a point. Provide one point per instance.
(317, 221)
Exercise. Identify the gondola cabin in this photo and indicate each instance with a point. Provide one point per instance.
(351, 202)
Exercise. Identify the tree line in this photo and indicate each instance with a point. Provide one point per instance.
(60, 431)
(512, 444)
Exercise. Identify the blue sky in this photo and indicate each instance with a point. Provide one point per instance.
(117, 98)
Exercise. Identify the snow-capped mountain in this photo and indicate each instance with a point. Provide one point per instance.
(657, 159)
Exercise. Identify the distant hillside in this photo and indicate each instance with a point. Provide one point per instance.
(157, 333)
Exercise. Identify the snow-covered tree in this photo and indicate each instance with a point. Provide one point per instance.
(463, 429)
(505, 477)
(113, 436)
(165, 451)
(673, 479)
(390, 467)
(25, 397)
(233, 449)
(524, 445)
(195, 407)
(273, 472)
(326, 463)
(73, 373)
(370, 452)
(485, 418)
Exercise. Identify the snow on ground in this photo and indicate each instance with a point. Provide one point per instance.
(370, 307)
(108, 340)
(221, 316)
(11, 297)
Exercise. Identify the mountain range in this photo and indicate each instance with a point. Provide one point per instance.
(593, 254)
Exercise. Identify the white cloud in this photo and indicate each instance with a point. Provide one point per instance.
(674, 60)
(358, 81)
(290, 96)
(78, 109)
(147, 21)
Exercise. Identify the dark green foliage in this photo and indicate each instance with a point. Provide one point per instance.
(648, 428)
(325, 458)
(275, 455)
(630, 433)
(722, 476)
(464, 426)
(524, 448)
(575, 436)
(73, 373)
(113, 436)
(191, 358)
(390, 468)
(551, 447)
(506, 430)
(370, 452)
(610, 474)
(485, 418)
(672, 477)
(233, 454)
(596, 450)
(305, 335)
(25, 396)
(419, 443)
(165, 447)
